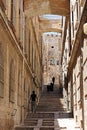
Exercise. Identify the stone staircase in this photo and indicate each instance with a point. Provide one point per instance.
(51, 101)
(49, 113)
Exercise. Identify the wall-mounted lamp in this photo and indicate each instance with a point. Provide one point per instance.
(85, 28)
(14, 112)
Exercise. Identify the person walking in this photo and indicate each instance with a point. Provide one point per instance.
(33, 98)
(53, 79)
(51, 86)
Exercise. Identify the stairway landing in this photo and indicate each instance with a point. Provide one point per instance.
(48, 121)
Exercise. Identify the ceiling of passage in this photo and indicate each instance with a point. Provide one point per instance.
(47, 25)
(40, 7)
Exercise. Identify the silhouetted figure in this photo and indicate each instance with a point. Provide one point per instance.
(51, 86)
(61, 91)
(33, 98)
(48, 88)
(53, 79)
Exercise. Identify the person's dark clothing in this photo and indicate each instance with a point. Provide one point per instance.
(48, 88)
(60, 91)
(53, 80)
(51, 87)
(33, 101)
(33, 97)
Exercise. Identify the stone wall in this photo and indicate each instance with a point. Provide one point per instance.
(25, 79)
(51, 58)
(85, 81)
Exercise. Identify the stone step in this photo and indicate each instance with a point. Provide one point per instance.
(50, 108)
(48, 116)
(51, 100)
(48, 123)
(33, 128)
(47, 99)
(24, 128)
(51, 104)
(52, 95)
(63, 115)
(30, 128)
(47, 128)
(40, 115)
(30, 123)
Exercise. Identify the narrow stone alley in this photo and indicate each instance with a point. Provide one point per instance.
(43, 43)
(51, 114)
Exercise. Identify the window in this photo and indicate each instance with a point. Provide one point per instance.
(21, 20)
(57, 62)
(13, 11)
(29, 46)
(1, 72)
(77, 9)
(52, 61)
(52, 46)
(19, 88)
(72, 25)
(25, 95)
(32, 54)
(12, 82)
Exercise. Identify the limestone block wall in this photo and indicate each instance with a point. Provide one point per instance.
(85, 81)
(77, 98)
(51, 58)
(77, 59)
(22, 76)
(7, 116)
(76, 10)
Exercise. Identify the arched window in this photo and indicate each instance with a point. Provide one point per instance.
(12, 82)
(25, 94)
(19, 88)
(1, 71)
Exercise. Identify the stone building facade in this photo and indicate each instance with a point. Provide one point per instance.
(74, 62)
(20, 62)
(21, 57)
(51, 57)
